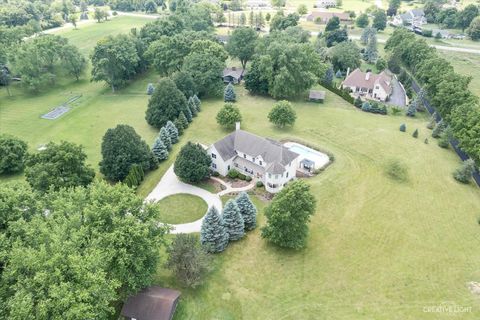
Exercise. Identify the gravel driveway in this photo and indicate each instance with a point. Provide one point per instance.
(398, 97)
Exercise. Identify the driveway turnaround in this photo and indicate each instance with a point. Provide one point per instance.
(170, 184)
(398, 96)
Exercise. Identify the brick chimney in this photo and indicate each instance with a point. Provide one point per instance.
(367, 76)
(237, 125)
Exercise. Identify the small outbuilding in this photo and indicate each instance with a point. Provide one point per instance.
(233, 75)
(316, 96)
(152, 303)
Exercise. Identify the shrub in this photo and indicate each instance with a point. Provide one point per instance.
(396, 110)
(358, 102)
(439, 128)
(415, 133)
(444, 141)
(150, 89)
(412, 109)
(187, 260)
(233, 174)
(282, 114)
(215, 174)
(192, 164)
(248, 178)
(431, 124)
(396, 170)
(13, 152)
(425, 141)
(403, 127)
(259, 184)
(366, 106)
(241, 176)
(464, 173)
(228, 116)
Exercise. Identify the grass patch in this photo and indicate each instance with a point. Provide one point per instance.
(396, 170)
(181, 208)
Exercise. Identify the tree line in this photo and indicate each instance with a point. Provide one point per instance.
(447, 90)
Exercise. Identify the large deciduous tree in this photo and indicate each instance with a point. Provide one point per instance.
(93, 247)
(288, 216)
(192, 164)
(122, 147)
(474, 29)
(13, 152)
(114, 60)
(165, 104)
(228, 116)
(58, 166)
(241, 44)
(379, 20)
(282, 114)
(345, 55)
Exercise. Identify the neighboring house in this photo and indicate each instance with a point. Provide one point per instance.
(369, 85)
(261, 158)
(323, 17)
(258, 4)
(232, 75)
(316, 96)
(325, 4)
(223, 38)
(414, 17)
(152, 303)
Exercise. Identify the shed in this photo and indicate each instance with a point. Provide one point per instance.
(152, 303)
(232, 75)
(307, 165)
(316, 96)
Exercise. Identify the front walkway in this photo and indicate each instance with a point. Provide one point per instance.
(170, 185)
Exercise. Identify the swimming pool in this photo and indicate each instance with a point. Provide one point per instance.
(320, 159)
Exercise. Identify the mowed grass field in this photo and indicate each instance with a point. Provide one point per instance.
(377, 249)
(181, 208)
(96, 111)
(466, 64)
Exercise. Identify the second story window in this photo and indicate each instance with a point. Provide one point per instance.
(260, 162)
(245, 156)
(214, 156)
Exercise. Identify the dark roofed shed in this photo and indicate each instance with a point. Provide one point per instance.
(152, 303)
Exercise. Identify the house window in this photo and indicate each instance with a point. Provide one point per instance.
(377, 87)
(286, 176)
(228, 167)
(245, 156)
(214, 166)
(214, 156)
(260, 162)
(270, 176)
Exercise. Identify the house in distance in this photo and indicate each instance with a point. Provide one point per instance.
(233, 75)
(369, 85)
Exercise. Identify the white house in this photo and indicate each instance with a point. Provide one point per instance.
(369, 85)
(261, 158)
(414, 17)
(325, 4)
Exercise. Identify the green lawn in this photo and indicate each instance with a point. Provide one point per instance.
(181, 208)
(466, 64)
(378, 249)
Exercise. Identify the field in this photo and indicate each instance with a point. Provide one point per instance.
(466, 64)
(181, 208)
(378, 249)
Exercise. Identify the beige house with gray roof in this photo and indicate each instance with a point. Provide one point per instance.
(261, 158)
(369, 85)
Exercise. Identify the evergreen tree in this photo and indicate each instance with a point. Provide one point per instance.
(464, 173)
(165, 138)
(366, 106)
(328, 78)
(192, 107)
(213, 234)
(159, 149)
(403, 127)
(197, 102)
(431, 124)
(233, 221)
(229, 93)
(415, 133)
(172, 132)
(248, 211)
(439, 128)
(179, 126)
(339, 74)
(188, 114)
(412, 109)
(182, 120)
(371, 51)
(150, 89)
(445, 136)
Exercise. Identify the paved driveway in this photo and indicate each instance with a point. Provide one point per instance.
(169, 185)
(398, 97)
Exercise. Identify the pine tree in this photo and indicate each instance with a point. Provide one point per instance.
(197, 101)
(415, 133)
(183, 121)
(439, 128)
(172, 132)
(248, 211)
(233, 221)
(339, 74)
(150, 89)
(178, 124)
(192, 107)
(445, 136)
(366, 107)
(403, 127)
(431, 124)
(188, 114)
(159, 149)
(213, 234)
(358, 102)
(371, 51)
(229, 93)
(328, 78)
(165, 138)
(412, 109)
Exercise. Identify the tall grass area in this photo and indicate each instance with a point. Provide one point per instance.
(379, 248)
(467, 64)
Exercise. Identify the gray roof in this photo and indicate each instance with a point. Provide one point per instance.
(272, 152)
(316, 94)
(417, 12)
(233, 72)
(152, 303)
